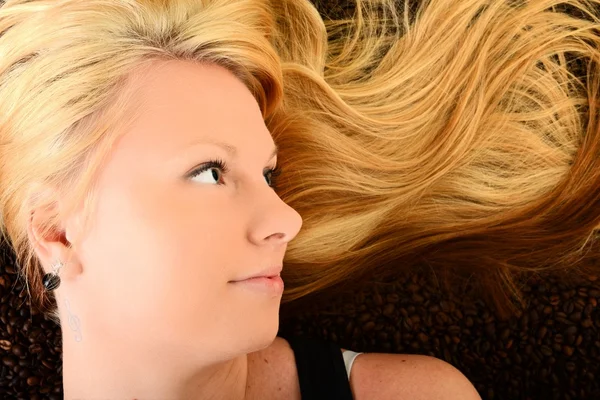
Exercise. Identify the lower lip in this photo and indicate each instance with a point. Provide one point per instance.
(273, 285)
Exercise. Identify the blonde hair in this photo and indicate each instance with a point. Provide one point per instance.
(455, 133)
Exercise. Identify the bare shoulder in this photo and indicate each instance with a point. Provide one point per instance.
(396, 376)
(272, 373)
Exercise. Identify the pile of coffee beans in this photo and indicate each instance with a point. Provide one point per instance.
(30, 345)
(548, 350)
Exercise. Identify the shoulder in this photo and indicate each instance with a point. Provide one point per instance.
(272, 373)
(395, 376)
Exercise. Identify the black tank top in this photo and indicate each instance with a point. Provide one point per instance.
(321, 369)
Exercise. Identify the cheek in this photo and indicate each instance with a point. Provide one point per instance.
(159, 253)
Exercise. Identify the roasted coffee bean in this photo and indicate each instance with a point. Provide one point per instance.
(388, 309)
(9, 361)
(5, 345)
(568, 350)
(33, 381)
(587, 323)
(542, 332)
(18, 350)
(369, 326)
(547, 351)
(377, 299)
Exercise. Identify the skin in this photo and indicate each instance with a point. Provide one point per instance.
(147, 308)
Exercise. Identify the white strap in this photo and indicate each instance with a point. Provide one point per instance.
(349, 357)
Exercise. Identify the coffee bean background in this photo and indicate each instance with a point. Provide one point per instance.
(30, 345)
(548, 350)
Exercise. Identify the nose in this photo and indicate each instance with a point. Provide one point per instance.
(274, 220)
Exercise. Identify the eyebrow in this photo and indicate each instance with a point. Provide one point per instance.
(230, 149)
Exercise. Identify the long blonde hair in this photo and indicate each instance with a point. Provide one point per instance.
(455, 132)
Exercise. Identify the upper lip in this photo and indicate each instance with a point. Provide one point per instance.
(265, 273)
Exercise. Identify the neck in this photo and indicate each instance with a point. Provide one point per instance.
(101, 372)
(100, 366)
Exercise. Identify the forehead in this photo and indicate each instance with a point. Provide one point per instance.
(183, 102)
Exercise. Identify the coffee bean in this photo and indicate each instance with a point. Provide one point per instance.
(417, 298)
(542, 332)
(580, 303)
(51, 366)
(547, 351)
(33, 381)
(18, 350)
(9, 361)
(568, 350)
(423, 337)
(547, 310)
(490, 329)
(388, 309)
(587, 323)
(575, 317)
(5, 345)
(404, 312)
(364, 317)
(442, 318)
(377, 299)
(392, 298)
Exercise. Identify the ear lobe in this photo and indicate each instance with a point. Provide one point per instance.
(49, 241)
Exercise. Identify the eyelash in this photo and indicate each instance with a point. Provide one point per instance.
(222, 165)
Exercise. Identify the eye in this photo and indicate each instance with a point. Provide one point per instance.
(215, 165)
(274, 173)
(210, 166)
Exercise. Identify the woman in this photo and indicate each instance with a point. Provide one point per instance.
(133, 134)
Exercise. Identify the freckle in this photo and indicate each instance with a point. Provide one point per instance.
(403, 360)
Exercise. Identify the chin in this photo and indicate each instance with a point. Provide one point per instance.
(264, 337)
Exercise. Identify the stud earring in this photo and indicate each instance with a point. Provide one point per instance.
(51, 280)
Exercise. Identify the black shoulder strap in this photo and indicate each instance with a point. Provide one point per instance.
(321, 369)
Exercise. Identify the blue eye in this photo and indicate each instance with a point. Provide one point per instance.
(218, 164)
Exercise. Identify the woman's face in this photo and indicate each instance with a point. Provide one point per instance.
(164, 245)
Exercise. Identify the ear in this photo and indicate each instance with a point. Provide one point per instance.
(51, 233)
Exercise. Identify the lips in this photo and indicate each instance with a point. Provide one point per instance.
(266, 273)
